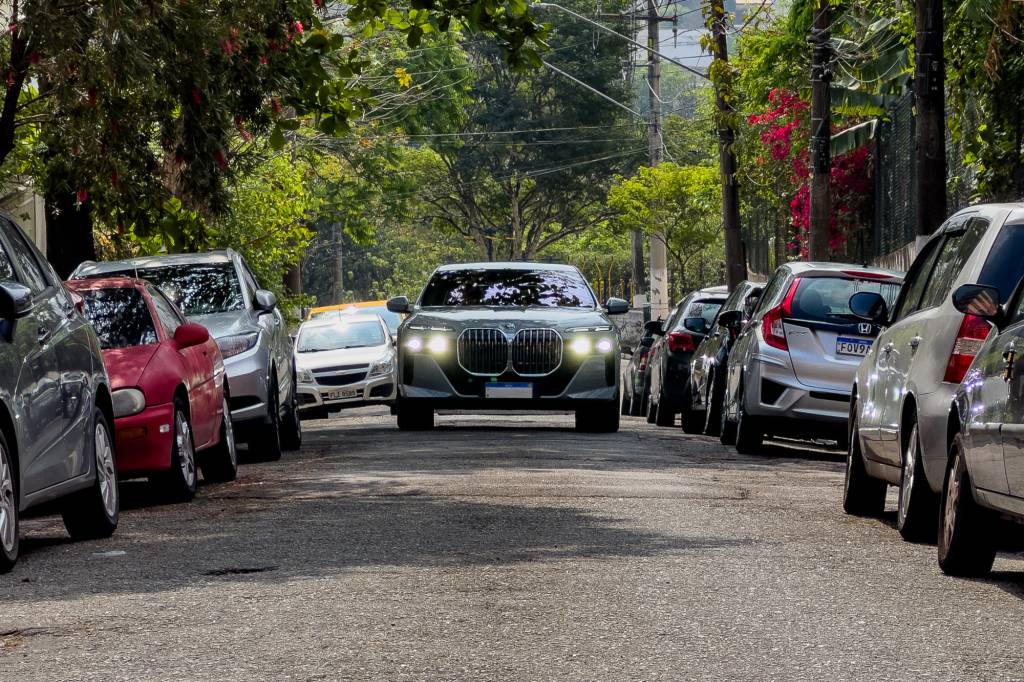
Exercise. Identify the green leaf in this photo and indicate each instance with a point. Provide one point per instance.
(277, 138)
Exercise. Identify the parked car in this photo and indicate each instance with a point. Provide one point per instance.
(635, 389)
(710, 361)
(346, 361)
(517, 336)
(55, 403)
(171, 409)
(219, 291)
(672, 353)
(984, 479)
(902, 393)
(791, 368)
(392, 320)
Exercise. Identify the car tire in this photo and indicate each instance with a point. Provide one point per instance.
(291, 425)
(713, 407)
(688, 417)
(265, 441)
(598, 419)
(917, 509)
(749, 432)
(179, 482)
(966, 543)
(862, 495)
(726, 428)
(663, 414)
(414, 418)
(220, 463)
(9, 517)
(93, 513)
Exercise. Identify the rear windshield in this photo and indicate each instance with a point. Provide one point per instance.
(340, 336)
(1004, 266)
(197, 289)
(520, 288)
(827, 299)
(120, 317)
(705, 308)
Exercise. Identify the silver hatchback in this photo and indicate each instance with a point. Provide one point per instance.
(791, 367)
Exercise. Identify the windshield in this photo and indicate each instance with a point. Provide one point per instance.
(339, 336)
(512, 287)
(197, 289)
(120, 317)
(392, 320)
(706, 309)
(827, 299)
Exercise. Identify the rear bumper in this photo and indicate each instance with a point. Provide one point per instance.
(144, 441)
(772, 390)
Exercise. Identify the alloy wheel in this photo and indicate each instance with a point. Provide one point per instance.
(229, 434)
(105, 470)
(907, 480)
(952, 502)
(186, 451)
(8, 504)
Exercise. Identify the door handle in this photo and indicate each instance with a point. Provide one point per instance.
(887, 348)
(915, 342)
(1009, 355)
(42, 335)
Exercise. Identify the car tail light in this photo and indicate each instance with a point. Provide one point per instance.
(680, 341)
(772, 329)
(643, 362)
(971, 335)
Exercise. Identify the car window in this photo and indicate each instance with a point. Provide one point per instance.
(169, 317)
(771, 290)
(827, 299)
(954, 253)
(6, 270)
(250, 279)
(1005, 266)
(736, 298)
(917, 277)
(32, 272)
(507, 287)
(674, 316)
(120, 317)
(705, 308)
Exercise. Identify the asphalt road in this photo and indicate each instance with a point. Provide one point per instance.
(499, 548)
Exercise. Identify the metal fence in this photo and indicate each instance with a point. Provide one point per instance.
(895, 203)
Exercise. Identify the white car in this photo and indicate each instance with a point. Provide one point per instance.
(344, 362)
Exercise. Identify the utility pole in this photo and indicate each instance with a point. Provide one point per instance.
(659, 252)
(338, 292)
(930, 123)
(735, 260)
(821, 135)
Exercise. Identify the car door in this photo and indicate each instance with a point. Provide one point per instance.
(1007, 360)
(38, 391)
(745, 344)
(659, 352)
(273, 324)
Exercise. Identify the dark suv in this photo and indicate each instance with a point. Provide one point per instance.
(55, 403)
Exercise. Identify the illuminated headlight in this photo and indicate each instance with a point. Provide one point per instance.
(237, 343)
(605, 345)
(580, 345)
(305, 376)
(437, 345)
(414, 343)
(382, 367)
(128, 401)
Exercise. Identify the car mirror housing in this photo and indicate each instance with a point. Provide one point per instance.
(654, 327)
(869, 306)
(190, 334)
(15, 300)
(979, 300)
(399, 304)
(730, 319)
(616, 306)
(264, 301)
(697, 325)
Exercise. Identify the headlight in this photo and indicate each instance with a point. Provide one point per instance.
(580, 345)
(128, 401)
(605, 345)
(382, 367)
(414, 343)
(305, 376)
(437, 345)
(231, 346)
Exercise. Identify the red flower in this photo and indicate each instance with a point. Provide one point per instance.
(82, 196)
(298, 26)
(197, 96)
(275, 106)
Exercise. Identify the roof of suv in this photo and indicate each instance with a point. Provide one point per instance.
(92, 269)
(819, 268)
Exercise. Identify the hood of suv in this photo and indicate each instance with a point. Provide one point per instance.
(227, 323)
(507, 318)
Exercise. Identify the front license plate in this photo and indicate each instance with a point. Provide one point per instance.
(850, 346)
(344, 393)
(508, 390)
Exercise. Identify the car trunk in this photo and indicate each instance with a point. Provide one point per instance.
(815, 351)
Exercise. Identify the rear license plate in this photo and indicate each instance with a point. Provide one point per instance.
(343, 393)
(508, 390)
(850, 346)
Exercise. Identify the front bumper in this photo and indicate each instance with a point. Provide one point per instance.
(380, 389)
(772, 390)
(247, 375)
(144, 441)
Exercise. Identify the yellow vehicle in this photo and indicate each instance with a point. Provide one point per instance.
(392, 320)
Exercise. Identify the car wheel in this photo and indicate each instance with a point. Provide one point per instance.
(93, 513)
(749, 432)
(220, 463)
(265, 442)
(414, 417)
(966, 546)
(291, 425)
(862, 495)
(664, 415)
(917, 509)
(713, 407)
(598, 419)
(691, 424)
(726, 428)
(179, 483)
(9, 523)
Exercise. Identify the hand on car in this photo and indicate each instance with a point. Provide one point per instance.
(983, 304)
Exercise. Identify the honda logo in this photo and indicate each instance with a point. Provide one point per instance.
(864, 327)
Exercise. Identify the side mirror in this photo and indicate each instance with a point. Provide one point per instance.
(15, 300)
(654, 327)
(264, 301)
(730, 319)
(697, 325)
(979, 300)
(869, 306)
(616, 306)
(399, 304)
(191, 334)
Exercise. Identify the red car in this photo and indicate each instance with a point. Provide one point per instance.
(169, 392)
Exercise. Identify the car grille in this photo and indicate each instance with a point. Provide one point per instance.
(536, 352)
(483, 351)
(341, 379)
